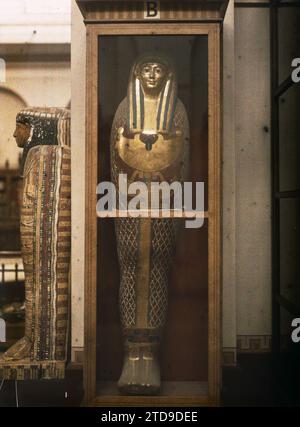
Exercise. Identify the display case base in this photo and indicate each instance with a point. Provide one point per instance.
(174, 393)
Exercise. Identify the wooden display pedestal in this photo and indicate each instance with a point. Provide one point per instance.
(189, 393)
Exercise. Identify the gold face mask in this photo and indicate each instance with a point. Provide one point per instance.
(152, 76)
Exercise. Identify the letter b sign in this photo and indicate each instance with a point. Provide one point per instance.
(152, 10)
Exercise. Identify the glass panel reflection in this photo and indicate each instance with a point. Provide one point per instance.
(289, 131)
(187, 283)
(288, 39)
(290, 250)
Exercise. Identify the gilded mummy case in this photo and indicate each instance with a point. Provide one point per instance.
(146, 246)
(45, 246)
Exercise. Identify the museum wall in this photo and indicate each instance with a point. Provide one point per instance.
(35, 45)
(35, 21)
(253, 178)
(246, 191)
(30, 81)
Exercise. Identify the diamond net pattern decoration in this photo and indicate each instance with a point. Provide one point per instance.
(162, 252)
(127, 230)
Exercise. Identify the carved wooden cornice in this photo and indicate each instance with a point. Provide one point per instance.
(95, 11)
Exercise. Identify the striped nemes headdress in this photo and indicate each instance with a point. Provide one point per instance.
(49, 126)
(167, 96)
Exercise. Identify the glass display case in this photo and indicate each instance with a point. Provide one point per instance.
(117, 110)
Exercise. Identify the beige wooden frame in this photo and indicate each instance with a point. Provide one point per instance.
(94, 31)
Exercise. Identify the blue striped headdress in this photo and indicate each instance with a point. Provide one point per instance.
(167, 96)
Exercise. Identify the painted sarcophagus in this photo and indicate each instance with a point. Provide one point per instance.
(149, 143)
(44, 134)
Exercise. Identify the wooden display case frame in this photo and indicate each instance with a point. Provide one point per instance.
(213, 31)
